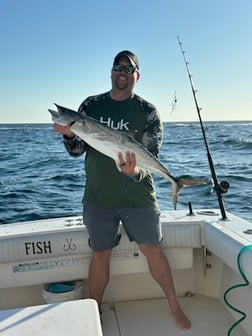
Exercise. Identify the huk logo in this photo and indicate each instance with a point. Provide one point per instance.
(121, 125)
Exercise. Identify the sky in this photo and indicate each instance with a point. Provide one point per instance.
(61, 51)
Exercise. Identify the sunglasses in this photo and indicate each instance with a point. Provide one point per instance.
(129, 69)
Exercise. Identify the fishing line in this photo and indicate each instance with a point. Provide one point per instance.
(223, 186)
(244, 315)
(173, 103)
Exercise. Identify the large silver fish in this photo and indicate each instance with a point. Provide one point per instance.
(110, 142)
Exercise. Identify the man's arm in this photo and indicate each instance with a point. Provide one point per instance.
(73, 144)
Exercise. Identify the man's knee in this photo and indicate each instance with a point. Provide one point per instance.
(101, 255)
(150, 250)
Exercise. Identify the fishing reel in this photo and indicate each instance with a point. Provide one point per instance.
(224, 186)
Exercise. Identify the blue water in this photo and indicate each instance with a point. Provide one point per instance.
(38, 179)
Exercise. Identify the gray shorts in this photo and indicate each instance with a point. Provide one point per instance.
(142, 225)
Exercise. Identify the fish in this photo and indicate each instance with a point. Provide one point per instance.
(110, 142)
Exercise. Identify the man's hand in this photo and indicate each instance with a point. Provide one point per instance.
(128, 166)
(64, 130)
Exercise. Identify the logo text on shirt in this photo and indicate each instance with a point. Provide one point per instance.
(121, 125)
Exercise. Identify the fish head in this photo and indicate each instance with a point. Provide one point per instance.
(65, 116)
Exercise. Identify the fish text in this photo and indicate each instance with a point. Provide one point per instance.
(40, 247)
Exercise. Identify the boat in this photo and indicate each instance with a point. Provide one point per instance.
(44, 275)
(210, 258)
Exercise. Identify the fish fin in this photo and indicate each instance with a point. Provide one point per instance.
(176, 187)
(188, 181)
(131, 133)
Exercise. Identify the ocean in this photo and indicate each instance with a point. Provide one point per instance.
(40, 180)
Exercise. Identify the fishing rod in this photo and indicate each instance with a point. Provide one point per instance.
(221, 188)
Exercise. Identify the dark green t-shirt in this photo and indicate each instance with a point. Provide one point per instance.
(105, 185)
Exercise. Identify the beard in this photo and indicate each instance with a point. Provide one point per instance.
(121, 84)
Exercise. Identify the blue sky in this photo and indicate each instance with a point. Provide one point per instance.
(62, 51)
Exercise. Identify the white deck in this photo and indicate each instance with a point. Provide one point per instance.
(151, 317)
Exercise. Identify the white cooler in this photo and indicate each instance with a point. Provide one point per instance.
(72, 318)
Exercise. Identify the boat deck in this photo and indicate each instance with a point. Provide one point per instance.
(149, 317)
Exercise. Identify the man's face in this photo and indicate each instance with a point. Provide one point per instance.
(122, 78)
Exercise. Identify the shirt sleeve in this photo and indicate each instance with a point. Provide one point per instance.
(152, 138)
(153, 133)
(76, 146)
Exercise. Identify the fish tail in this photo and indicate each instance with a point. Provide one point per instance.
(178, 184)
(176, 187)
(189, 181)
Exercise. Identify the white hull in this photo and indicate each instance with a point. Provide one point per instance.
(202, 250)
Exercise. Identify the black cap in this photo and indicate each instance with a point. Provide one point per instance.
(128, 54)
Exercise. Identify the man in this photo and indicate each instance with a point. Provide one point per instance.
(128, 195)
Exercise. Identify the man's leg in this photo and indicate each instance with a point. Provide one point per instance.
(99, 275)
(161, 272)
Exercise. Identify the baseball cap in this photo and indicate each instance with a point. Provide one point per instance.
(128, 54)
